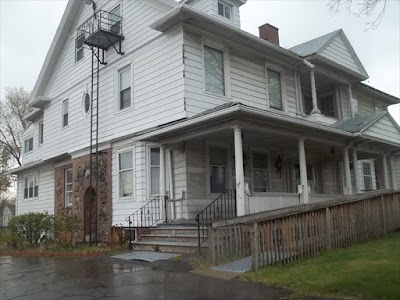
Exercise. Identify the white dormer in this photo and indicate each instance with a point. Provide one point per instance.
(225, 10)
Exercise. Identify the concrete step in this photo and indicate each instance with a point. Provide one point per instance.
(175, 230)
(178, 247)
(181, 237)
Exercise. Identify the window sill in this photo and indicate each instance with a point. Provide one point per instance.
(121, 111)
(224, 97)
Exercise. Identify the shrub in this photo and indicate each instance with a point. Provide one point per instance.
(32, 228)
(66, 226)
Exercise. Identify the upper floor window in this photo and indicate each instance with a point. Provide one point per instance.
(154, 171)
(79, 48)
(125, 174)
(327, 106)
(86, 102)
(31, 186)
(65, 109)
(68, 187)
(260, 172)
(28, 145)
(41, 128)
(214, 72)
(125, 94)
(115, 18)
(354, 106)
(224, 10)
(274, 89)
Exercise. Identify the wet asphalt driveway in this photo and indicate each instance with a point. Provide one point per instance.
(44, 278)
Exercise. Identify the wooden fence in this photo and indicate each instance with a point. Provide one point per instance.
(287, 234)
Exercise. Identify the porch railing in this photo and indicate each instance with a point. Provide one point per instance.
(224, 207)
(288, 234)
(145, 217)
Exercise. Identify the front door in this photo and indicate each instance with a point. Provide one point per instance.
(90, 215)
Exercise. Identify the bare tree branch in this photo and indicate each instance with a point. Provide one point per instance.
(365, 8)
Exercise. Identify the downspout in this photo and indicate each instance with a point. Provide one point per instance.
(171, 183)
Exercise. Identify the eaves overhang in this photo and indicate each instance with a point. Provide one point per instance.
(34, 115)
(184, 14)
(240, 110)
(40, 102)
(38, 163)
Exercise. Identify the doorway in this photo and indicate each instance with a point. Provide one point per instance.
(90, 215)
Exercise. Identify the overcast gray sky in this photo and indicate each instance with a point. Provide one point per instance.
(27, 28)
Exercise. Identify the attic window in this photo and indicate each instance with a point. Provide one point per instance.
(224, 10)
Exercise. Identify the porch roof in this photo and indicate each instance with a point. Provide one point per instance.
(236, 113)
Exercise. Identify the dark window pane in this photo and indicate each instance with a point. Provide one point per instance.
(214, 71)
(274, 89)
(220, 9)
(155, 157)
(125, 98)
(218, 156)
(218, 179)
(65, 120)
(87, 103)
(36, 191)
(26, 193)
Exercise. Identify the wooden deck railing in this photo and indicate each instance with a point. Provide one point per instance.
(287, 234)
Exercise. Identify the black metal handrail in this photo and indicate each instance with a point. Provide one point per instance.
(224, 207)
(145, 217)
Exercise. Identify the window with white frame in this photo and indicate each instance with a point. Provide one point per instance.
(115, 20)
(79, 48)
(154, 165)
(41, 128)
(260, 172)
(86, 103)
(274, 89)
(31, 186)
(224, 10)
(218, 160)
(125, 95)
(354, 106)
(214, 71)
(28, 145)
(125, 174)
(68, 187)
(65, 109)
(367, 176)
(327, 106)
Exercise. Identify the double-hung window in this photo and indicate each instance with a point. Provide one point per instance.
(354, 106)
(125, 174)
(68, 187)
(31, 186)
(79, 48)
(224, 10)
(214, 71)
(41, 128)
(28, 145)
(154, 171)
(367, 176)
(274, 89)
(125, 94)
(218, 159)
(260, 172)
(65, 109)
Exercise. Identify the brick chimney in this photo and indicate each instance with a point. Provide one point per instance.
(269, 33)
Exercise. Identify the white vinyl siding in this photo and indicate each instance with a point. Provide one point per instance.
(68, 187)
(125, 171)
(214, 71)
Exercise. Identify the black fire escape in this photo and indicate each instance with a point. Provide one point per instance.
(100, 32)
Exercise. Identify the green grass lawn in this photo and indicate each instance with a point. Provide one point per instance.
(365, 271)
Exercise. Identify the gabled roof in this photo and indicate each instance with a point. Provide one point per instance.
(313, 46)
(67, 23)
(333, 49)
(360, 123)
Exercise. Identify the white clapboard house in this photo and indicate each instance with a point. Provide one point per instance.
(172, 105)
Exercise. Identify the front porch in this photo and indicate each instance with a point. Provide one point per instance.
(270, 164)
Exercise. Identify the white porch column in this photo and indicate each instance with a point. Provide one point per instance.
(163, 191)
(392, 174)
(356, 172)
(350, 101)
(347, 175)
(385, 173)
(303, 172)
(240, 191)
(315, 109)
